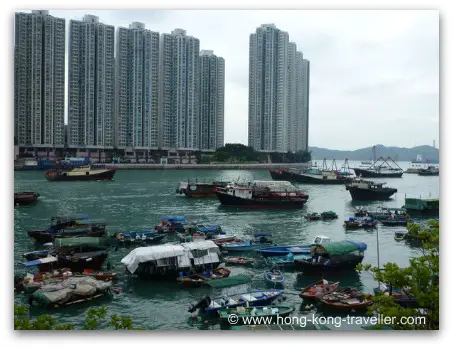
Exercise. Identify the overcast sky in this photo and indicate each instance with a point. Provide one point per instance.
(374, 74)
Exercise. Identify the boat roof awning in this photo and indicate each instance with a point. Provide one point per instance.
(341, 248)
(200, 245)
(152, 253)
(42, 261)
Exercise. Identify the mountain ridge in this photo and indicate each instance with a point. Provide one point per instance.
(400, 153)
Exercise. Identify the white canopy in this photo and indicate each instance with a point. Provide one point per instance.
(183, 253)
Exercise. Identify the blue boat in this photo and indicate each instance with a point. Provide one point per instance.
(254, 298)
(141, 237)
(274, 278)
(260, 241)
(293, 249)
(286, 261)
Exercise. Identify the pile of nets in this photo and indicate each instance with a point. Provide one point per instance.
(69, 290)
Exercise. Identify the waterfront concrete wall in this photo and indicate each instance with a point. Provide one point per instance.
(157, 166)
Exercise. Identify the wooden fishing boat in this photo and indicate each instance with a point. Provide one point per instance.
(262, 195)
(355, 223)
(257, 311)
(195, 280)
(313, 217)
(274, 278)
(347, 300)
(25, 198)
(332, 257)
(238, 260)
(82, 173)
(319, 289)
(254, 298)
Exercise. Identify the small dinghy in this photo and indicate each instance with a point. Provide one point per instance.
(195, 280)
(231, 260)
(318, 290)
(274, 278)
(347, 299)
(254, 298)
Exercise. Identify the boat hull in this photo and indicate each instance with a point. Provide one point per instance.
(108, 174)
(361, 194)
(306, 179)
(428, 173)
(25, 198)
(307, 267)
(372, 174)
(283, 251)
(234, 201)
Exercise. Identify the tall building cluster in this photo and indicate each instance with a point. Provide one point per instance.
(278, 92)
(137, 90)
(134, 89)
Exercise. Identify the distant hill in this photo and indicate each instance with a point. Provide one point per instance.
(401, 153)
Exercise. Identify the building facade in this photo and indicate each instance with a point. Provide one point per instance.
(39, 80)
(91, 84)
(275, 92)
(212, 100)
(179, 91)
(305, 103)
(137, 88)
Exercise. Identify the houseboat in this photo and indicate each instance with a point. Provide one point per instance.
(364, 190)
(83, 173)
(262, 194)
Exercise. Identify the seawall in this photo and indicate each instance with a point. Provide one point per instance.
(149, 166)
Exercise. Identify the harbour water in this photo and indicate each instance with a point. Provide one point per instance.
(136, 199)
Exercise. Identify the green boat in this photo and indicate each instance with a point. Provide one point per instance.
(423, 206)
(236, 316)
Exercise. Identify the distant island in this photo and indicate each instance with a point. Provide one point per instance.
(366, 154)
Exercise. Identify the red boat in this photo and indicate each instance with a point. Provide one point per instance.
(318, 289)
(25, 198)
(199, 279)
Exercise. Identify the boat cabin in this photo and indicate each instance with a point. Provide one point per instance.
(321, 240)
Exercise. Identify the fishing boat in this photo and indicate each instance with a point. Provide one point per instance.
(70, 291)
(293, 249)
(422, 206)
(364, 190)
(76, 259)
(231, 260)
(286, 261)
(274, 278)
(358, 222)
(257, 311)
(384, 213)
(75, 228)
(400, 296)
(332, 257)
(138, 238)
(253, 298)
(395, 222)
(200, 189)
(327, 215)
(382, 168)
(262, 195)
(25, 198)
(430, 171)
(414, 169)
(317, 290)
(167, 260)
(260, 240)
(348, 299)
(194, 280)
(82, 173)
(100, 275)
(310, 176)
